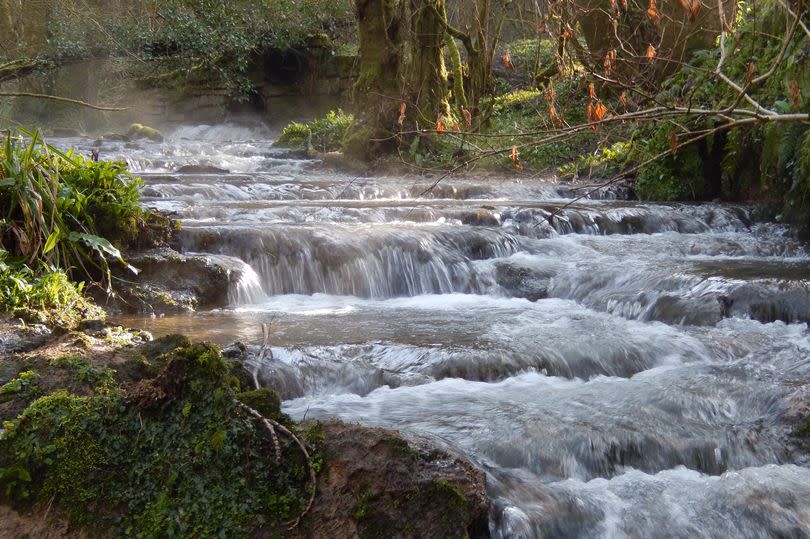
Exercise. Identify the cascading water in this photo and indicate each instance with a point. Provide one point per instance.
(620, 370)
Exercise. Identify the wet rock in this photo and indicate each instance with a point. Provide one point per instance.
(201, 169)
(111, 137)
(480, 218)
(340, 162)
(16, 337)
(65, 132)
(522, 281)
(170, 282)
(140, 131)
(376, 483)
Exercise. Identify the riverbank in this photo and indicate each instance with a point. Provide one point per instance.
(106, 431)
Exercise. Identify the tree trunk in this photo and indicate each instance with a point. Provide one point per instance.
(427, 82)
(378, 89)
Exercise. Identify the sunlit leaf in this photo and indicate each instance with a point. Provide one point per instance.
(51, 242)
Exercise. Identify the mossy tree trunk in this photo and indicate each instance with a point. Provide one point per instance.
(427, 80)
(378, 91)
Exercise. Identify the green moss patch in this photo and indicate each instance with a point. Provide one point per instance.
(173, 455)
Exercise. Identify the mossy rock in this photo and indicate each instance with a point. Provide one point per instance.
(140, 131)
(266, 401)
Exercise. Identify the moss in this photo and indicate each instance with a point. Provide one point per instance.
(140, 131)
(445, 487)
(266, 401)
(162, 345)
(169, 456)
(24, 385)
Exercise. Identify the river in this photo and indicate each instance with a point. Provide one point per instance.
(625, 370)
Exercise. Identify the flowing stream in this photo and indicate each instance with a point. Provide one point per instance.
(625, 370)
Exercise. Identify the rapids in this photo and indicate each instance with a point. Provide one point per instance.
(624, 370)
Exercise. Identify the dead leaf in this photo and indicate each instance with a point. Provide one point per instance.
(596, 113)
(692, 8)
(795, 94)
(507, 61)
(673, 142)
(555, 118)
(551, 95)
(750, 72)
(441, 127)
(610, 59)
(653, 13)
(402, 108)
(516, 159)
(650, 55)
(624, 5)
(591, 91)
(467, 118)
(623, 99)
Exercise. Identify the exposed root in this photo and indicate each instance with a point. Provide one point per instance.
(272, 426)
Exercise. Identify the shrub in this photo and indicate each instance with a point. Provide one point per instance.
(324, 134)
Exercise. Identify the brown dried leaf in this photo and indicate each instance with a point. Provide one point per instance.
(653, 13)
(623, 99)
(610, 59)
(555, 118)
(441, 127)
(591, 91)
(650, 54)
(402, 108)
(467, 118)
(673, 142)
(795, 94)
(516, 159)
(507, 61)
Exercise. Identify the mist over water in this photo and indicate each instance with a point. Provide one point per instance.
(623, 370)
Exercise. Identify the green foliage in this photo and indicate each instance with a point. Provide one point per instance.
(603, 161)
(196, 42)
(328, 132)
(675, 177)
(295, 135)
(767, 162)
(57, 205)
(47, 296)
(181, 461)
(324, 134)
(24, 385)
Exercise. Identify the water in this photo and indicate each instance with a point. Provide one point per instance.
(621, 370)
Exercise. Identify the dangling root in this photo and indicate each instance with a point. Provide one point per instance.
(272, 425)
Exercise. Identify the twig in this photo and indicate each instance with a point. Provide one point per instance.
(61, 100)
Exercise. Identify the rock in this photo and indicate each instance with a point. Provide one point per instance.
(65, 132)
(140, 131)
(201, 169)
(480, 218)
(376, 483)
(340, 162)
(111, 137)
(170, 282)
(522, 281)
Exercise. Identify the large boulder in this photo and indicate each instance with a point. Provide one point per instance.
(378, 483)
(171, 282)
